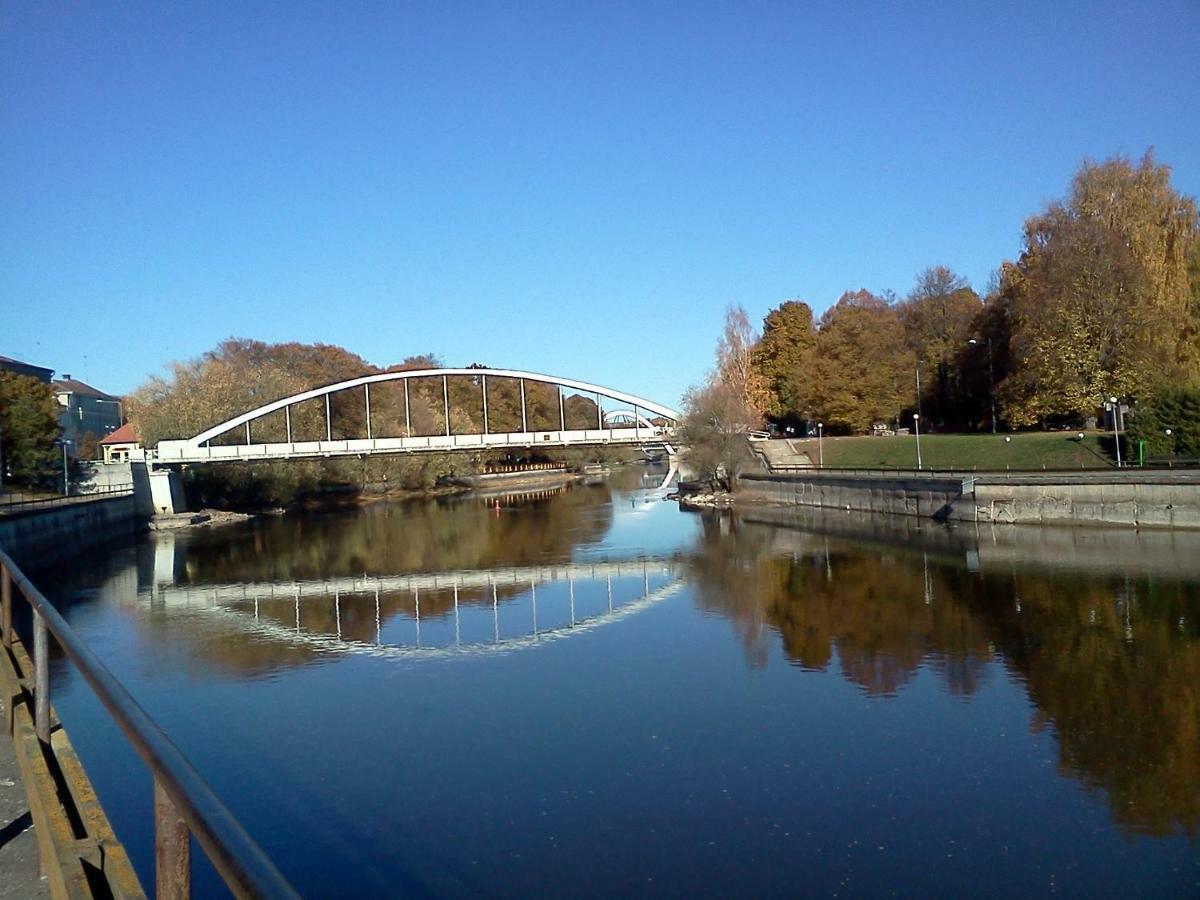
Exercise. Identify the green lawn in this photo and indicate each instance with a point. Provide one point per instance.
(1033, 450)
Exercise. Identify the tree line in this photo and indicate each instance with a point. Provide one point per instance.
(1103, 301)
(28, 431)
(239, 375)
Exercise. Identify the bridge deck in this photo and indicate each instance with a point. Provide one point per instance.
(187, 452)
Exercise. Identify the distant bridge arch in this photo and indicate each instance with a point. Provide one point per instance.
(625, 426)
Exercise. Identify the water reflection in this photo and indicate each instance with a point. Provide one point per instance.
(1097, 629)
(490, 610)
(1106, 645)
(389, 538)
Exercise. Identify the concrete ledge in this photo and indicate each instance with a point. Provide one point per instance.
(929, 497)
(63, 531)
(1130, 499)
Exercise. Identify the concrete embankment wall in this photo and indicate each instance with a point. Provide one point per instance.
(61, 531)
(1165, 500)
(1137, 503)
(898, 495)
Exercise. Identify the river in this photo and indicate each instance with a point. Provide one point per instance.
(590, 692)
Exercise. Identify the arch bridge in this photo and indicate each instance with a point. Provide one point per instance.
(417, 414)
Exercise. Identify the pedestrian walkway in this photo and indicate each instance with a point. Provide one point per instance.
(19, 867)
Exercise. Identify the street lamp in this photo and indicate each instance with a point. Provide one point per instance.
(991, 380)
(1116, 412)
(917, 430)
(821, 442)
(66, 478)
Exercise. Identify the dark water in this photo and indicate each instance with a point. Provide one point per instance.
(743, 704)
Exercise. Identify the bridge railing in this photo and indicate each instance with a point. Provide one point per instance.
(186, 451)
(184, 804)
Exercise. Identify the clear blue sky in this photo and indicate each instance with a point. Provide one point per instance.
(570, 188)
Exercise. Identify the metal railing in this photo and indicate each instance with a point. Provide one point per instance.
(13, 501)
(184, 804)
(1126, 472)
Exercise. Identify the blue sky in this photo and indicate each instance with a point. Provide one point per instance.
(567, 188)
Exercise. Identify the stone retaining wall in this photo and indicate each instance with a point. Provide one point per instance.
(1114, 498)
(59, 532)
(908, 496)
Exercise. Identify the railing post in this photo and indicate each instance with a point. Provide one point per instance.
(367, 395)
(172, 849)
(41, 678)
(5, 606)
(407, 418)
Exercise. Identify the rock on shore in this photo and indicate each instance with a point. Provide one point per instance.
(202, 519)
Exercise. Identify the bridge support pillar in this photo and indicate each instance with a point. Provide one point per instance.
(158, 492)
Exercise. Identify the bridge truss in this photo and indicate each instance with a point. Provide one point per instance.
(629, 425)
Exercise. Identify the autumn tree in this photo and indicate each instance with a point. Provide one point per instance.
(715, 423)
(89, 447)
(719, 414)
(28, 429)
(237, 376)
(1103, 296)
(784, 358)
(938, 317)
(735, 362)
(864, 370)
(983, 362)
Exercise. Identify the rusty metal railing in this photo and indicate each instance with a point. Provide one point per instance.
(19, 501)
(184, 804)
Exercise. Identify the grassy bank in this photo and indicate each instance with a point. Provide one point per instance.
(1034, 450)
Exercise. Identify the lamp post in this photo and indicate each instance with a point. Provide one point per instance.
(917, 431)
(1116, 414)
(66, 478)
(821, 442)
(991, 380)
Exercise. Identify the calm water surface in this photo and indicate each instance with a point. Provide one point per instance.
(592, 693)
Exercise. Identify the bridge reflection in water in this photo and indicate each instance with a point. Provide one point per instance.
(491, 611)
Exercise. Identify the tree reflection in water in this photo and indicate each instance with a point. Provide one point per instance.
(1099, 627)
(1111, 660)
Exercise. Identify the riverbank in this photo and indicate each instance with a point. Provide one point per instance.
(204, 519)
(1124, 498)
(1032, 450)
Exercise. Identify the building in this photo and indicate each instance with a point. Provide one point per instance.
(85, 409)
(120, 444)
(41, 373)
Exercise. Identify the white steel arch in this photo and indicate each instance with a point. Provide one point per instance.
(276, 405)
(626, 417)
